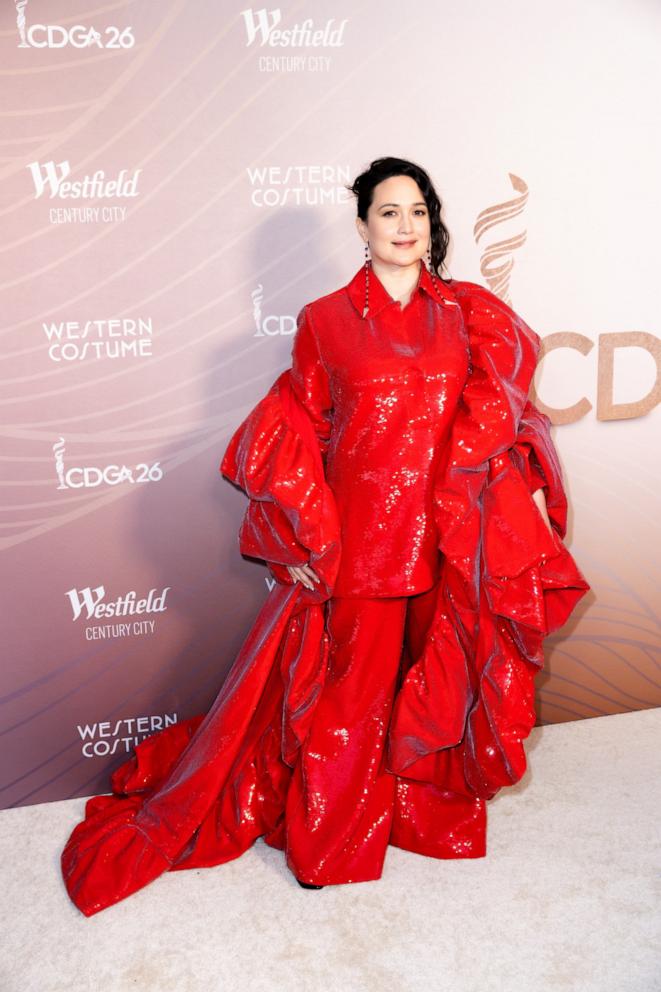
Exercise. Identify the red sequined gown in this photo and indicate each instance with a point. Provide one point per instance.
(397, 455)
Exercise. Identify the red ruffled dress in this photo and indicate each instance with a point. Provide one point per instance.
(399, 452)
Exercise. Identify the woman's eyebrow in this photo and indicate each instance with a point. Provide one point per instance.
(418, 203)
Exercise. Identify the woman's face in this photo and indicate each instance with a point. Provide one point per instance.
(397, 226)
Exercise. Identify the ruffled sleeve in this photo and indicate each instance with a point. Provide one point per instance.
(275, 456)
(503, 350)
(466, 706)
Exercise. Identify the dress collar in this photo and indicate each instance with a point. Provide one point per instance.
(379, 297)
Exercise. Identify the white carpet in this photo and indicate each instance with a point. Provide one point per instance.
(567, 899)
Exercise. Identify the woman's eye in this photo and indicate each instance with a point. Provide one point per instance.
(387, 213)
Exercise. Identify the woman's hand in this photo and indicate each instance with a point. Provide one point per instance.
(540, 499)
(304, 574)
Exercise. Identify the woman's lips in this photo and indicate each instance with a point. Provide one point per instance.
(403, 244)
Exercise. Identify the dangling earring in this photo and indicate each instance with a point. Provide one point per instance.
(431, 269)
(367, 279)
(443, 265)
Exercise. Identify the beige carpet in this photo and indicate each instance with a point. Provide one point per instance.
(567, 899)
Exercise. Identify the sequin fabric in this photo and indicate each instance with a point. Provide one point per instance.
(382, 391)
(350, 723)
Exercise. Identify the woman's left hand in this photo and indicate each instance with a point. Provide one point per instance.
(540, 499)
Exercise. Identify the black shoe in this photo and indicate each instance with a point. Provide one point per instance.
(308, 885)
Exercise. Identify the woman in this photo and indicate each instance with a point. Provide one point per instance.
(407, 497)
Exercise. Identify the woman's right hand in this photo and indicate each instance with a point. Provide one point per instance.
(304, 574)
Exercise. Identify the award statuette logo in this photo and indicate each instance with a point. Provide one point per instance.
(20, 22)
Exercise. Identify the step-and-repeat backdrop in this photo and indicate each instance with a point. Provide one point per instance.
(173, 191)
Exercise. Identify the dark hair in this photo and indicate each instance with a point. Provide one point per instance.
(383, 168)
